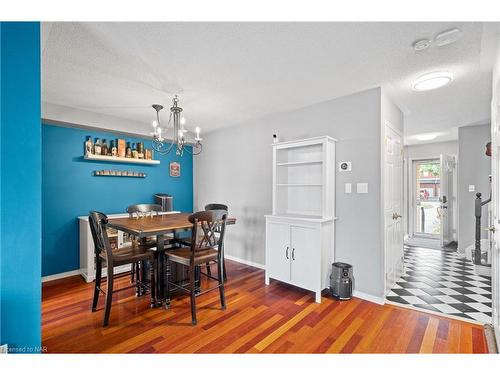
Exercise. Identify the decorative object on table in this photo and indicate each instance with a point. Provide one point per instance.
(97, 147)
(115, 173)
(121, 148)
(163, 145)
(175, 169)
(89, 146)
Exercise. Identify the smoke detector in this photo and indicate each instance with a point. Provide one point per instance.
(447, 37)
(421, 44)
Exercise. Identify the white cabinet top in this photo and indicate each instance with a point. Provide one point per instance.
(304, 142)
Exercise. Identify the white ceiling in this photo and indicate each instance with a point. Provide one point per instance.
(229, 73)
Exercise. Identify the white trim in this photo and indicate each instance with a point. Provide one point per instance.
(411, 307)
(61, 275)
(244, 261)
(496, 331)
(369, 297)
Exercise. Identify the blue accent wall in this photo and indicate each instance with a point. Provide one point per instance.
(69, 190)
(20, 192)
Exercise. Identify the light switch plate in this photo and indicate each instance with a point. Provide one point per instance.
(348, 188)
(362, 188)
(472, 188)
(345, 166)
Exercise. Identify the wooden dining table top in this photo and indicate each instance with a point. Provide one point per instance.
(155, 225)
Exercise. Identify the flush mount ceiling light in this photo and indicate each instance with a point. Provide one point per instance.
(426, 137)
(432, 81)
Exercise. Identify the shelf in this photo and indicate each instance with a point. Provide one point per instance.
(115, 175)
(116, 159)
(299, 184)
(291, 163)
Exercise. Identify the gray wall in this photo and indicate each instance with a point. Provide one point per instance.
(236, 168)
(474, 167)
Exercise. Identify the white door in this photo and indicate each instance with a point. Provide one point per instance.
(447, 164)
(495, 148)
(393, 206)
(305, 244)
(279, 252)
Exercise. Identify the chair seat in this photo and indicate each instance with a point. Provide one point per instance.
(130, 254)
(182, 255)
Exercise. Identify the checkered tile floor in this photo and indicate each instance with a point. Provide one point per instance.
(441, 281)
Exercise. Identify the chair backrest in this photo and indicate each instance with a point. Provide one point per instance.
(141, 210)
(98, 222)
(216, 206)
(205, 225)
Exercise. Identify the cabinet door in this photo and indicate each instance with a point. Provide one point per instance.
(278, 251)
(305, 257)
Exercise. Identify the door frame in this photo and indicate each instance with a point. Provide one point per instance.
(387, 123)
(411, 198)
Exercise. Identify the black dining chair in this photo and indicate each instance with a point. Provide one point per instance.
(138, 211)
(216, 206)
(105, 255)
(205, 247)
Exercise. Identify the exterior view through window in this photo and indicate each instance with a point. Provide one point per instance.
(427, 197)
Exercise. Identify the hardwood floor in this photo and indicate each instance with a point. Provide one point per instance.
(259, 319)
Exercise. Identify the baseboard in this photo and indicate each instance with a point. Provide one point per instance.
(244, 261)
(60, 275)
(369, 297)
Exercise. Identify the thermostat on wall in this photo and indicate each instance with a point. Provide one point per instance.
(345, 166)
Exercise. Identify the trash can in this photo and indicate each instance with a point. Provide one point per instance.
(341, 281)
(166, 201)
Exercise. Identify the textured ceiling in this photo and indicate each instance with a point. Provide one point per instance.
(229, 73)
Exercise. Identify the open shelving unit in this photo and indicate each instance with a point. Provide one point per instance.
(304, 178)
(116, 159)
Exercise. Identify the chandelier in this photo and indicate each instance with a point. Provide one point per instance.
(163, 145)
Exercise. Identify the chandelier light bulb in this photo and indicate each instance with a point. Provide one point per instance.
(183, 121)
(155, 124)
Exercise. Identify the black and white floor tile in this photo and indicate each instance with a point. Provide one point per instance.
(443, 282)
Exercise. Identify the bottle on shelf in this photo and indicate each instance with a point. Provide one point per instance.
(89, 146)
(104, 148)
(140, 150)
(135, 154)
(114, 151)
(128, 151)
(97, 147)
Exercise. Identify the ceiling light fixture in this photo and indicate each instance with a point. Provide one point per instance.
(164, 146)
(432, 81)
(426, 137)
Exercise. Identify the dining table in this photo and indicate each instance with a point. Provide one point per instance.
(160, 226)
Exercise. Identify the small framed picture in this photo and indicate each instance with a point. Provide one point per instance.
(175, 169)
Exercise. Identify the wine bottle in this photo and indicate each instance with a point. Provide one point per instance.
(97, 147)
(104, 148)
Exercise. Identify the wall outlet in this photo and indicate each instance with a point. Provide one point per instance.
(348, 188)
(362, 188)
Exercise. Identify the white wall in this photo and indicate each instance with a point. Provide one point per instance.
(430, 151)
(236, 168)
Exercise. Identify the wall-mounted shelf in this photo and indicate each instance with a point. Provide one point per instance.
(307, 162)
(116, 159)
(101, 173)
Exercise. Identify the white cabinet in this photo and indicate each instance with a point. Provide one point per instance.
(300, 232)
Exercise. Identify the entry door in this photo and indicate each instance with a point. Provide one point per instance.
(393, 206)
(447, 163)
